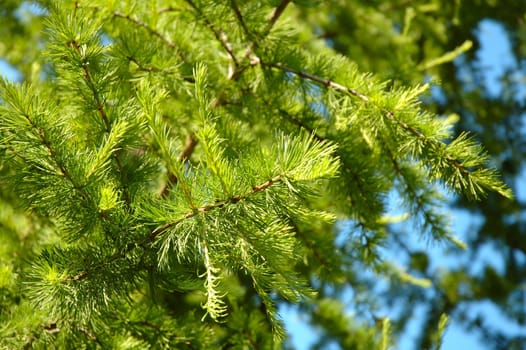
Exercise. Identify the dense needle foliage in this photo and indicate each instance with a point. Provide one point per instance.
(171, 171)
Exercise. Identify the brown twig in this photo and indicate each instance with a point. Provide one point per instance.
(219, 34)
(389, 114)
(101, 110)
(142, 24)
(185, 154)
(159, 230)
(239, 17)
(278, 11)
(328, 83)
(188, 149)
(170, 9)
(88, 334)
(249, 54)
(217, 204)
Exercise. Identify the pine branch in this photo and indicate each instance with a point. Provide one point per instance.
(457, 164)
(276, 15)
(102, 111)
(240, 18)
(389, 114)
(254, 60)
(170, 9)
(141, 66)
(297, 121)
(217, 205)
(438, 227)
(288, 116)
(91, 84)
(185, 154)
(162, 138)
(150, 68)
(44, 140)
(88, 271)
(142, 24)
(328, 83)
(219, 34)
(47, 144)
(356, 179)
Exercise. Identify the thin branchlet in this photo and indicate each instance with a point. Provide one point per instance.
(219, 33)
(278, 11)
(217, 205)
(240, 18)
(186, 153)
(104, 116)
(142, 24)
(389, 114)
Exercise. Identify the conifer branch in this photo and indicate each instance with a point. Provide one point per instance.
(253, 59)
(217, 205)
(457, 164)
(130, 217)
(118, 255)
(63, 170)
(357, 180)
(328, 83)
(102, 111)
(155, 69)
(141, 66)
(418, 199)
(170, 9)
(301, 124)
(219, 34)
(47, 144)
(389, 114)
(240, 18)
(145, 26)
(185, 154)
(278, 11)
(142, 24)
(288, 116)
(93, 88)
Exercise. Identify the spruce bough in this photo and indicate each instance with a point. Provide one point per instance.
(185, 167)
